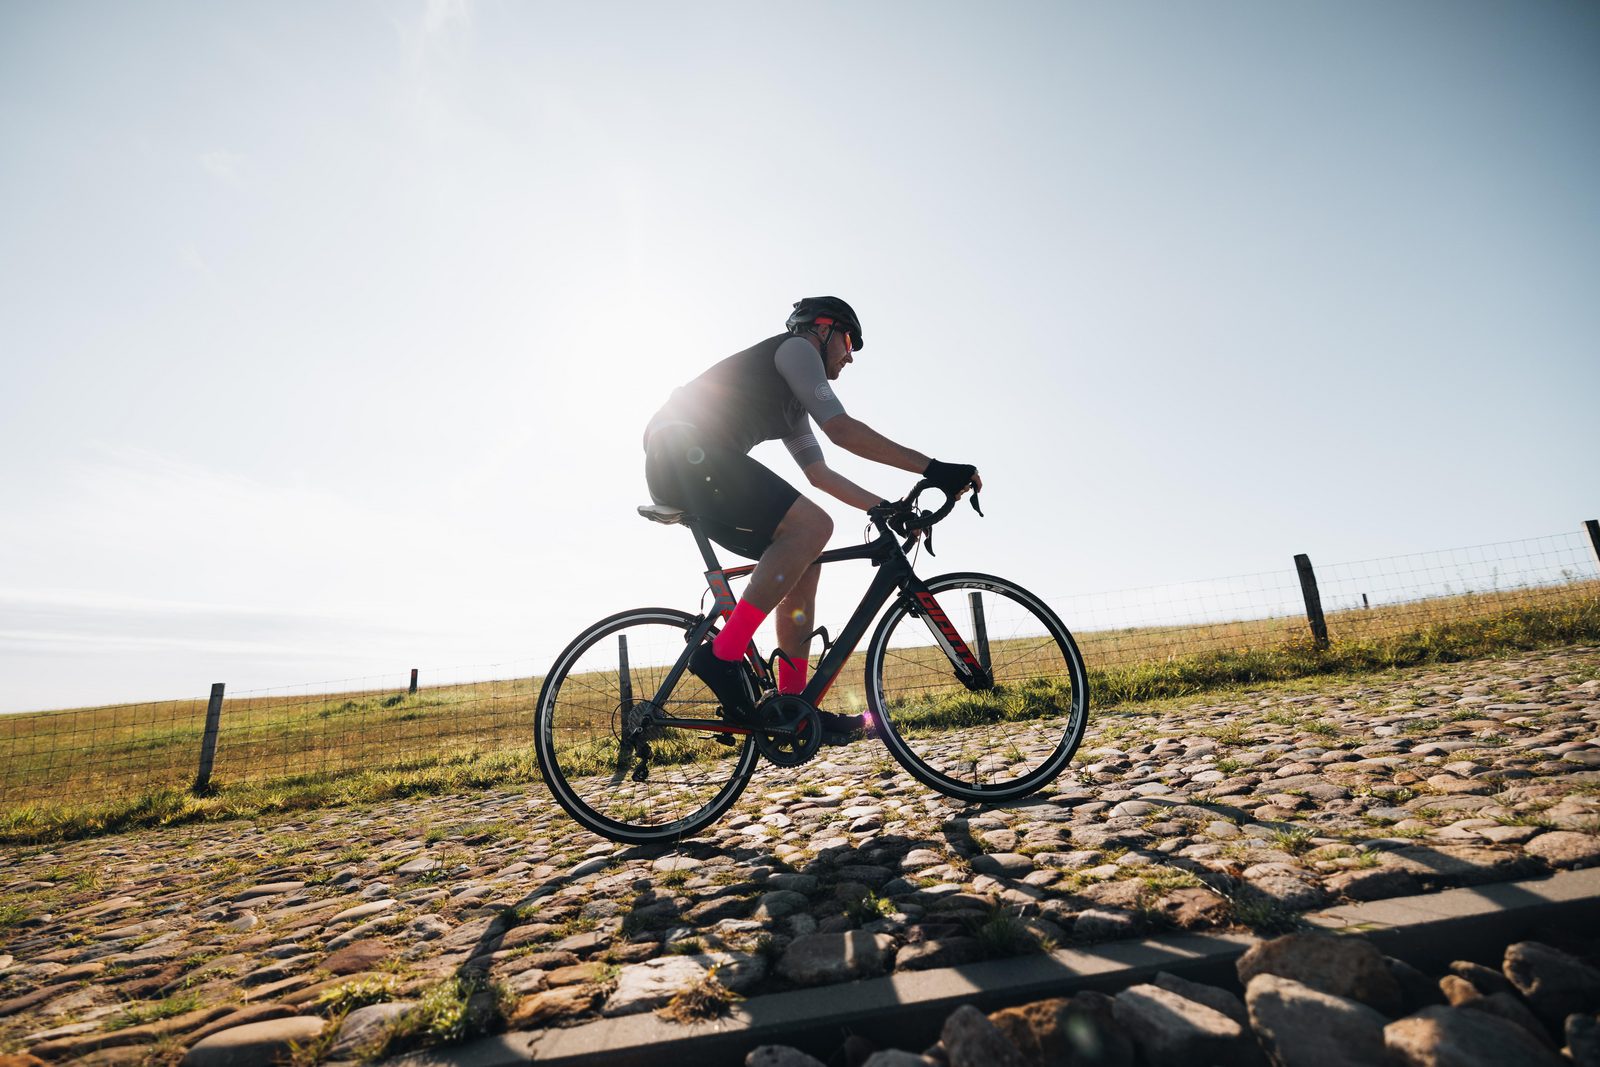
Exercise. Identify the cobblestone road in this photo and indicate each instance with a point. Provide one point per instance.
(236, 938)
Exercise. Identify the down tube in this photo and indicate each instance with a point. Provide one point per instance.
(892, 575)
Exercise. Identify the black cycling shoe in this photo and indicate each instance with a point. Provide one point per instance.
(842, 729)
(730, 680)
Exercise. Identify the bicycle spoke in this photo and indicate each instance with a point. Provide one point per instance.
(606, 679)
(1004, 738)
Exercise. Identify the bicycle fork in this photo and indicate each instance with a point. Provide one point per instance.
(971, 668)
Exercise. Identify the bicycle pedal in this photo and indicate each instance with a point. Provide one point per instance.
(725, 739)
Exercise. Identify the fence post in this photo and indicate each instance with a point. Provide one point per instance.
(980, 628)
(1308, 588)
(1593, 527)
(413, 679)
(624, 675)
(208, 742)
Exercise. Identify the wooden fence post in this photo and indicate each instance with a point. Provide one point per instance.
(413, 679)
(1308, 588)
(208, 742)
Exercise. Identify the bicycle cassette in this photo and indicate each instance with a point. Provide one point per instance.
(635, 721)
(788, 731)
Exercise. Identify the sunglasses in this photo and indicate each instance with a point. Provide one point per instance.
(849, 338)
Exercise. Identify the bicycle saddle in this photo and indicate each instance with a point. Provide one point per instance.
(667, 516)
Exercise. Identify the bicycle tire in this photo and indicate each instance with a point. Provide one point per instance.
(995, 745)
(693, 779)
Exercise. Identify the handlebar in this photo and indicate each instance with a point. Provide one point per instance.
(904, 518)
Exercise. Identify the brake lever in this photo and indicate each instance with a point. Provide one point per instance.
(975, 506)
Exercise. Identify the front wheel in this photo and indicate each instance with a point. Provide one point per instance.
(989, 735)
(600, 690)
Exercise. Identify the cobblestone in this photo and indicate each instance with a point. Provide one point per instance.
(1202, 814)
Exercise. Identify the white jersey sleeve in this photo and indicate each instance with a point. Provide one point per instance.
(802, 444)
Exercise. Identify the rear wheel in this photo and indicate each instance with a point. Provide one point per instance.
(994, 738)
(599, 690)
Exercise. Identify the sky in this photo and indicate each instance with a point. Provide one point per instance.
(329, 331)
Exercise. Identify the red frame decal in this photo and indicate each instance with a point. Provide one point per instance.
(721, 592)
(942, 621)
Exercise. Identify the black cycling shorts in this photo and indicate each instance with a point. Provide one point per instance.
(738, 501)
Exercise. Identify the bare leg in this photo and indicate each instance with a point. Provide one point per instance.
(797, 542)
(796, 615)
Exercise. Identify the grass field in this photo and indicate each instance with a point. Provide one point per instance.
(81, 771)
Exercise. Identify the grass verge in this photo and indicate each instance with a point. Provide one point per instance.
(41, 822)
(1520, 629)
(1451, 641)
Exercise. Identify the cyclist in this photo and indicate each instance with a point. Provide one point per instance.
(696, 458)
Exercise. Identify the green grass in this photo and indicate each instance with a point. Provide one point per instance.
(1031, 698)
(868, 908)
(443, 1015)
(1446, 641)
(41, 822)
(262, 737)
(475, 756)
(1294, 841)
(139, 1014)
(358, 993)
(1159, 881)
(1000, 934)
(1262, 916)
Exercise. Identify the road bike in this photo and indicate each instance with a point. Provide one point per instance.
(971, 682)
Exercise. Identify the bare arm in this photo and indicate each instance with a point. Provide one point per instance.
(839, 487)
(855, 436)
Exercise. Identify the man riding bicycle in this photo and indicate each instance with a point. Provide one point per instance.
(696, 458)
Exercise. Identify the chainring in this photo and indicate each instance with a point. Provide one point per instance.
(788, 731)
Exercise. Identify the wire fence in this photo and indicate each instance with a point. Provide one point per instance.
(1359, 601)
(325, 729)
(293, 732)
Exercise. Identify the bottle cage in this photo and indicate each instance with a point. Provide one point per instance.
(777, 653)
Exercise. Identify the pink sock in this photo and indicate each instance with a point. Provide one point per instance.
(792, 679)
(737, 631)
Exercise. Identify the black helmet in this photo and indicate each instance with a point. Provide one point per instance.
(812, 308)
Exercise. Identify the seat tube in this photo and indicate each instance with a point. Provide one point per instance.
(704, 542)
(715, 578)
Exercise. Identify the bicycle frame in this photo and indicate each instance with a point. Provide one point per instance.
(894, 575)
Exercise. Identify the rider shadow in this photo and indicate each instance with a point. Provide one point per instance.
(654, 914)
(476, 955)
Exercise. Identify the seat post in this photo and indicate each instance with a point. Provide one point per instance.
(704, 542)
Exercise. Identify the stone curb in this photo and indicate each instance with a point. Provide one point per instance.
(906, 1010)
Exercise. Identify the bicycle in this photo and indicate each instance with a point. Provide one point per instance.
(983, 697)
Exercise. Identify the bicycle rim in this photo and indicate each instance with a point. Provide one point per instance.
(999, 742)
(692, 778)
